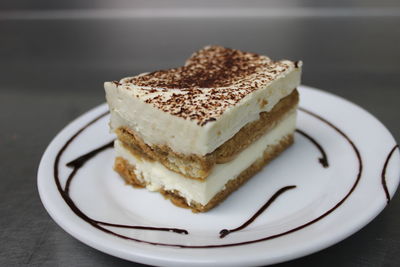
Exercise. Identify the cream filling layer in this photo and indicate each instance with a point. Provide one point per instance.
(157, 177)
(129, 109)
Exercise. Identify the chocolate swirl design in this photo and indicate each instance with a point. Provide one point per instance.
(225, 232)
(76, 164)
(324, 158)
(383, 174)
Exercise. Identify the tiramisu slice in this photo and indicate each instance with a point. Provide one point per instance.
(197, 132)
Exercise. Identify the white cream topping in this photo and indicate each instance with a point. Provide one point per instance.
(155, 126)
(157, 177)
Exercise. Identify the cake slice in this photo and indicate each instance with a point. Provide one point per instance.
(197, 132)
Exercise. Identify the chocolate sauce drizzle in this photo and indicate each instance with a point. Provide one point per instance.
(76, 165)
(226, 232)
(383, 174)
(97, 224)
(324, 159)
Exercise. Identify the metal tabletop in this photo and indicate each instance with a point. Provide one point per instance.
(54, 60)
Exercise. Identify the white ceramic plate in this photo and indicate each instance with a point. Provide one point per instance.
(327, 205)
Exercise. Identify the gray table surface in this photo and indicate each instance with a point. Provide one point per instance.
(52, 71)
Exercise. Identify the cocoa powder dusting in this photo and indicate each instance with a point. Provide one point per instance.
(212, 80)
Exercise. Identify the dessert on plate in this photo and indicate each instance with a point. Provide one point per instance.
(196, 133)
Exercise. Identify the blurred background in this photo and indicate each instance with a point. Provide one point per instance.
(55, 56)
